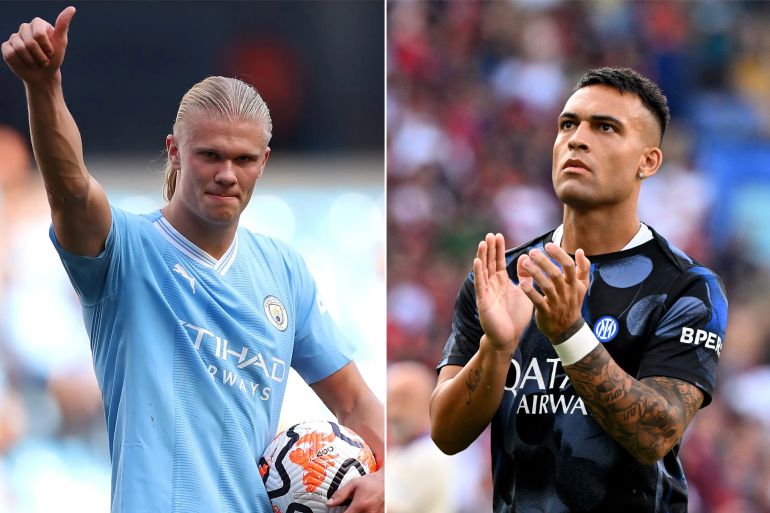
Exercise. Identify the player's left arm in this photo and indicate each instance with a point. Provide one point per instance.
(349, 398)
(648, 416)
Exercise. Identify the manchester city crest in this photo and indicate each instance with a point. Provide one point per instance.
(276, 312)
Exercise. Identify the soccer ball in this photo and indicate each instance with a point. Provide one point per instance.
(303, 466)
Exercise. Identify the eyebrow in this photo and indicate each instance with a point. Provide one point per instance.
(599, 118)
(199, 149)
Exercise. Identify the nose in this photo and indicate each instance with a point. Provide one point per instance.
(226, 173)
(579, 138)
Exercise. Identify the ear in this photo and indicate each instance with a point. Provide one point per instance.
(651, 160)
(264, 162)
(172, 148)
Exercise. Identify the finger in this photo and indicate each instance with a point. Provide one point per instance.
(40, 31)
(343, 494)
(63, 23)
(565, 261)
(482, 256)
(521, 271)
(479, 281)
(546, 265)
(546, 274)
(481, 251)
(542, 279)
(8, 54)
(526, 286)
(500, 250)
(21, 52)
(37, 53)
(583, 267)
(491, 254)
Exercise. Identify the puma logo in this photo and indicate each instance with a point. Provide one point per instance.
(182, 271)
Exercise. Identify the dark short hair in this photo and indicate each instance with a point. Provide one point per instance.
(628, 80)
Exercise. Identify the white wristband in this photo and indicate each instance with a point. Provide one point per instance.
(577, 346)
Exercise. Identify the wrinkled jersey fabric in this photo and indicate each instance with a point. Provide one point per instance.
(192, 356)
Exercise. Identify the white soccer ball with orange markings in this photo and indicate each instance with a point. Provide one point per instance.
(303, 466)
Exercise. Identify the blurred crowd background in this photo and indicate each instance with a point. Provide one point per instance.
(474, 91)
(320, 68)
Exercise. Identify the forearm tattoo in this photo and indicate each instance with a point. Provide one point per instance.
(474, 378)
(569, 332)
(646, 417)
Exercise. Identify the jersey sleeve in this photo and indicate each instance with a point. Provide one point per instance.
(95, 278)
(688, 339)
(466, 333)
(320, 348)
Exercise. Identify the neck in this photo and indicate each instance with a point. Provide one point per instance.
(214, 239)
(597, 231)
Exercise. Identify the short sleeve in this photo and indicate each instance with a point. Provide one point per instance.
(95, 278)
(689, 337)
(320, 349)
(466, 333)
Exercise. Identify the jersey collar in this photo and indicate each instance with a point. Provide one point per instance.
(643, 235)
(192, 251)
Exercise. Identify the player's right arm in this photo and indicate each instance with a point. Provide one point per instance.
(466, 398)
(79, 207)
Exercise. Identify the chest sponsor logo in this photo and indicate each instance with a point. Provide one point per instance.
(276, 312)
(237, 367)
(542, 389)
(698, 337)
(606, 328)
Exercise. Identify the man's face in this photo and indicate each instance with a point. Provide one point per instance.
(605, 139)
(219, 161)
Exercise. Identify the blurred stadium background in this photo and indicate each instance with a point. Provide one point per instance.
(319, 66)
(474, 90)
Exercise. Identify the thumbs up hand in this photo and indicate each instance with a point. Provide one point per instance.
(35, 53)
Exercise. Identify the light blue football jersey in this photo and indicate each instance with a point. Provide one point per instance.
(192, 356)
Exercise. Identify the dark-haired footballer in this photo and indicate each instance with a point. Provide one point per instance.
(589, 397)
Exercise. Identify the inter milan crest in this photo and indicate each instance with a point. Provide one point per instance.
(606, 328)
(276, 312)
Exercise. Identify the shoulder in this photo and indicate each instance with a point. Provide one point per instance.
(128, 226)
(274, 251)
(263, 242)
(123, 217)
(690, 278)
(689, 269)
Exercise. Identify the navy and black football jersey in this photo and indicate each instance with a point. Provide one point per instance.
(658, 313)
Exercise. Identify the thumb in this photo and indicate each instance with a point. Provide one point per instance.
(521, 271)
(525, 278)
(583, 266)
(63, 23)
(343, 494)
(524, 275)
